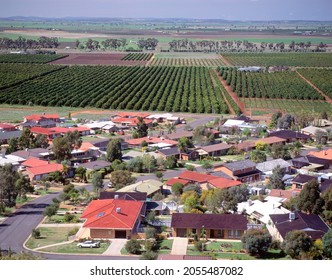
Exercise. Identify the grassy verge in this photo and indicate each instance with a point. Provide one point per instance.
(72, 248)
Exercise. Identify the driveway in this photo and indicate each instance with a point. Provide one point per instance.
(179, 246)
(115, 248)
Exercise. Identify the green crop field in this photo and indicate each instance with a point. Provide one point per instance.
(29, 58)
(280, 59)
(187, 62)
(284, 85)
(178, 89)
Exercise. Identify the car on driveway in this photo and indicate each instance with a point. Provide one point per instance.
(89, 244)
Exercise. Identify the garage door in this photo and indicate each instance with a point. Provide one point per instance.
(120, 234)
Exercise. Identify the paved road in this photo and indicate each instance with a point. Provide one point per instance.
(196, 123)
(16, 228)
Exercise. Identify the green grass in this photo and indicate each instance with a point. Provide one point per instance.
(49, 236)
(59, 219)
(72, 248)
(164, 243)
(216, 246)
(232, 157)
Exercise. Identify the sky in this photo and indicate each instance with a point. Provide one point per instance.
(199, 9)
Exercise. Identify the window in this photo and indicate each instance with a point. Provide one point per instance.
(194, 231)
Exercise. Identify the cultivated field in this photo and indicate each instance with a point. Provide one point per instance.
(280, 59)
(98, 59)
(29, 58)
(178, 89)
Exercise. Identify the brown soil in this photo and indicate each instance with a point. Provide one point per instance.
(97, 59)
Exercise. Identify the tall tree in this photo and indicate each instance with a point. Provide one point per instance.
(141, 129)
(41, 141)
(121, 178)
(97, 182)
(309, 199)
(8, 191)
(64, 145)
(256, 242)
(113, 150)
(184, 144)
(26, 140)
(327, 244)
(275, 180)
(297, 243)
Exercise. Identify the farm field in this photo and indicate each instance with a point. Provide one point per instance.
(29, 58)
(15, 73)
(138, 56)
(321, 78)
(98, 59)
(284, 85)
(177, 89)
(280, 59)
(187, 62)
(289, 106)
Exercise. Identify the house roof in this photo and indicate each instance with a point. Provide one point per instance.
(112, 213)
(193, 176)
(173, 181)
(239, 165)
(136, 196)
(98, 164)
(130, 121)
(246, 145)
(34, 162)
(326, 184)
(324, 154)
(271, 164)
(286, 194)
(45, 169)
(177, 135)
(169, 151)
(133, 115)
(311, 224)
(290, 134)
(36, 117)
(5, 135)
(37, 152)
(150, 140)
(215, 147)
(312, 130)
(223, 183)
(303, 179)
(231, 123)
(215, 221)
(6, 126)
(148, 186)
(270, 140)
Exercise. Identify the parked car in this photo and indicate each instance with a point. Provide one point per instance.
(89, 244)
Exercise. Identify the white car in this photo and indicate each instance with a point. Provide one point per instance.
(89, 244)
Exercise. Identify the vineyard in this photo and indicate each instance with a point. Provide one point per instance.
(29, 58)
(177, 89)
(16, 73)
(284, 85)
(138, 56)
(289, 106)
(321, 78)
(280, 59)
(187, 62)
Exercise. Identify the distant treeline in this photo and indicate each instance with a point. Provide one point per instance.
(185, 45)
(24, 44)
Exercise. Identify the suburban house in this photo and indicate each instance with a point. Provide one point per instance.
(312, 130)
(258, 211)
(5, 160)
(167, 117)
(5, 136)
(267, 167)
(39, 172)
(179, 134)
(213, 150)
(324, 154)
(290, 135)
(223, 226)
(223, 183)
(311, 224)
(173, 181)
(244, 170)
(7, 127)
(113, 218)
(325, 185)
(133, 115)
(34, 162)
(87, 152)
(250, 144)
(135, 196)
(310, 163)
(41, 120)
(196, 178)
(130, 122)
(301, 180)
(281, 196)
(159, 142)
(104, 126)
(150, 187)
(37, 153)
(189, 154)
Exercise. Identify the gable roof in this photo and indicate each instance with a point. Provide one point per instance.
(177, 135)
(173, 181)
(290, 134)
(311, 224)
(215, 221)
(36, 117)
(151, 140)
(136, 196)
(149, 186)
(303, 179)
(104, 214)
(324, 154)
(270, 140)
(267, 166)
(37, 152)
(5, 135)
(286, 194)
(215, 147)
(6, 126)
(325, 185)
(311, 130)
(45, 169)
(239, 165)
(223, 183)
(193, 176)
(34, 162)
(98, 164)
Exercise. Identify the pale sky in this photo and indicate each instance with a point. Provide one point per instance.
(200, 9)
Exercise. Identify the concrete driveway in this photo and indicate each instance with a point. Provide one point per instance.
(179, 246)
(115, 248)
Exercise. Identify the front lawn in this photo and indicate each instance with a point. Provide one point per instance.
(61, 219)
(49, 236)
(72, 248)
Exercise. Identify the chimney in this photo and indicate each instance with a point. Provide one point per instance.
(118, 210)
(291, 216)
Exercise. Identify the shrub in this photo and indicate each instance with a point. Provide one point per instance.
(149, 255)
(133, 246)
(36, 233)
(150, 232)
(200, 246)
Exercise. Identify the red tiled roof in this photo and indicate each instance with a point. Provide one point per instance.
(246, 145)
(43, 130)
(34, 162)
(282, 193)
(6, 126)
(45, 169)
(325, 154)
(103, 213)
(150, 140)
(36, 117)
(57, 130)
(173, 181)
(133, 115)
(196, 177)
(270, 140)
(224, 183)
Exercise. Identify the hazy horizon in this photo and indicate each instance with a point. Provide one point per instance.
(237, 10)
